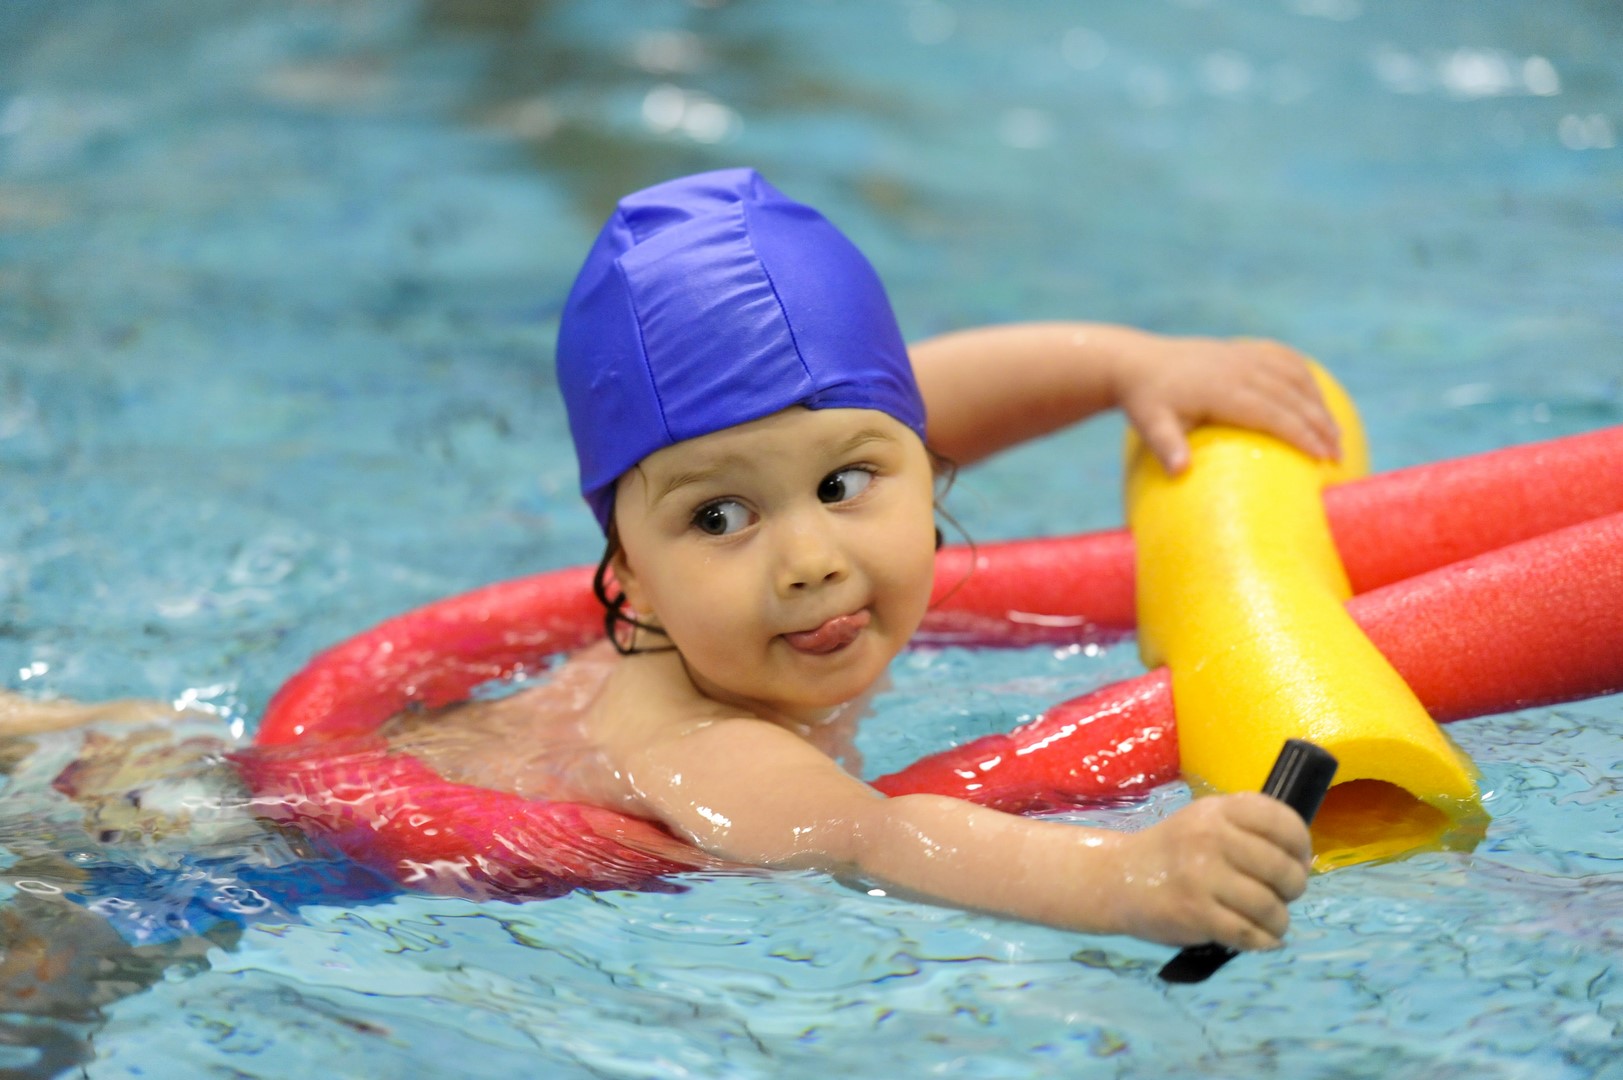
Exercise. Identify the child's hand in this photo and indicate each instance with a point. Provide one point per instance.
(1169, 386)
(1222, 869)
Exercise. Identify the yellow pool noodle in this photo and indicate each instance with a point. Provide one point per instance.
(1241, 593)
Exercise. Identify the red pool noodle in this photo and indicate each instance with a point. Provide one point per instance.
(1386, 527)
(1535, 623)
(1115, 742)
(394, 813)
(434, 656)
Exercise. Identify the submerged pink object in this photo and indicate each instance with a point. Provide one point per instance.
(1491, 582)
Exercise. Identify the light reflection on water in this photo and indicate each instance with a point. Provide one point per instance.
(277, 293)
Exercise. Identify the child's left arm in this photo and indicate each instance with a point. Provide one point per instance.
(990, 388)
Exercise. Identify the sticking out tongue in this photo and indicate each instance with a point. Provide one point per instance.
(835, 634)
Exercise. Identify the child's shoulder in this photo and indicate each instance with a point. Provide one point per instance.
(650, 697)
(650, 705)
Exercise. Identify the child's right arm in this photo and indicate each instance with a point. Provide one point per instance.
(1221, 869)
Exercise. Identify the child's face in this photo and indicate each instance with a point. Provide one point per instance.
(788, 559)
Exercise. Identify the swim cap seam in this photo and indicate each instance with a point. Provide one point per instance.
(637, 236)
(642, 348)
(766, 272)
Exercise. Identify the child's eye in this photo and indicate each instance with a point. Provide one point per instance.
(721, 518)
(844, 484)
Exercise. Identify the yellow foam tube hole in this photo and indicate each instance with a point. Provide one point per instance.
(1241, 594)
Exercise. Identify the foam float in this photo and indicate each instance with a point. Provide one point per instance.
(1488, 583)
(1241, 593)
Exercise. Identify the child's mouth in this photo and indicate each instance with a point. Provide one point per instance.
(831, 636)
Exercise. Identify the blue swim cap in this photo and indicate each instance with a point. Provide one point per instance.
(711, 301)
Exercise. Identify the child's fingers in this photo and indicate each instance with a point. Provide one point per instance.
(1283, 378)
(1279, 868)
(1286, 377)
(1300, 396)
(1242, 935)
(1267, 869)
(1252, 916)
(1260, 385)
(1277, 410)
(1270, 820)
(1163, 433)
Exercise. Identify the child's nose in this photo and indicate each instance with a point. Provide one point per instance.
(811, 557)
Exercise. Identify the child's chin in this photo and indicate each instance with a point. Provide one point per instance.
(840, 690)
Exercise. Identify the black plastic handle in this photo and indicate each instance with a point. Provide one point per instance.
(1301, 775)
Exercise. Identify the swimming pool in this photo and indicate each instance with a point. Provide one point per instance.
(278, 287)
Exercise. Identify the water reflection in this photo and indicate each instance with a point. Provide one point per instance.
(625, 105)
(1466, 73)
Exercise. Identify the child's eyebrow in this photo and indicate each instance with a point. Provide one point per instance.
(725, 463)
(676, 481)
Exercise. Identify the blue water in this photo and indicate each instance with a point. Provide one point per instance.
(278, 286)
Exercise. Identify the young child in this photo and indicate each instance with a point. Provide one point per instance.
(752, 437)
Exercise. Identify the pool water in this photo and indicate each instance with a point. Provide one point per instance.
(278, 288)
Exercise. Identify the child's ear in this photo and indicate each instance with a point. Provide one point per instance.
(630, 586)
